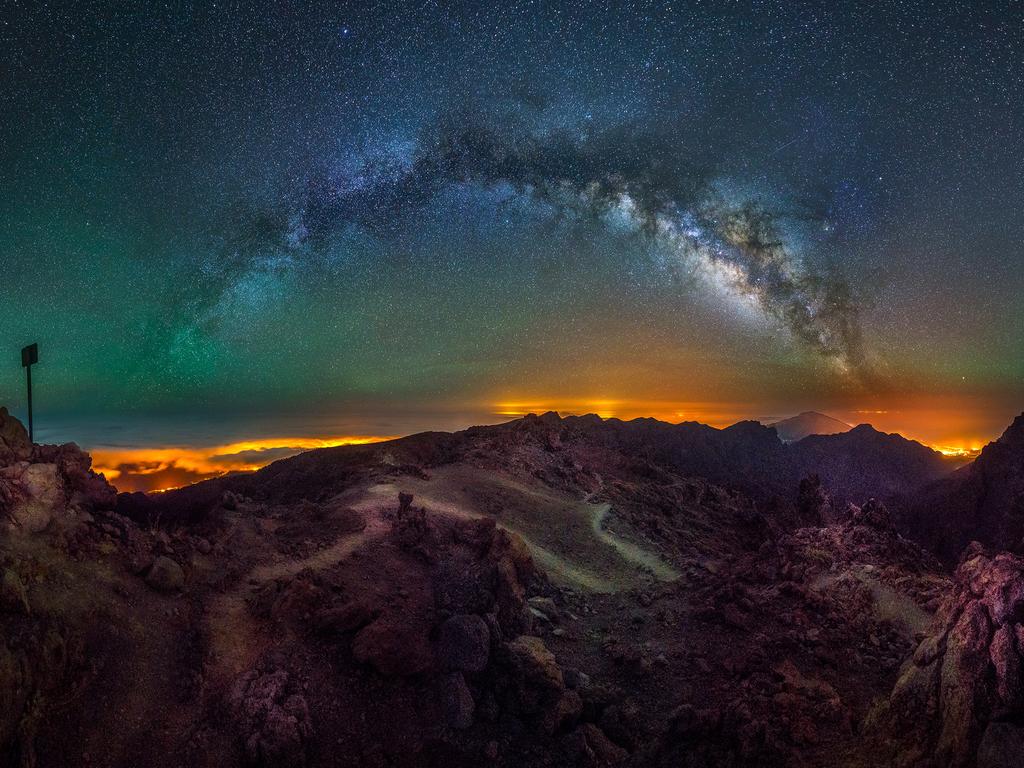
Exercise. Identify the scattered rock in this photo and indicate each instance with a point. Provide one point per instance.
(545, 609)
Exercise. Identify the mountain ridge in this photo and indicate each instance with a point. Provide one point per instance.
(982, 501)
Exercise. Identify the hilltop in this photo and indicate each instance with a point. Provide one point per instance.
(808, 423)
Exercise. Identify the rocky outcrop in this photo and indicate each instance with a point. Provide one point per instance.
(34, 494)
(14, 443)
(813, 502)
(873, 514)
(959, 700)
(39, 483)
(540, 684)
(982, 502)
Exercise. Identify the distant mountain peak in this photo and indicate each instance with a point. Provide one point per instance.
(809, 423)
(1014, 434)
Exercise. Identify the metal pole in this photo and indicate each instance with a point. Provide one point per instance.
(28, 372)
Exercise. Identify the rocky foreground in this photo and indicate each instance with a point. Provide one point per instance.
(553, 592)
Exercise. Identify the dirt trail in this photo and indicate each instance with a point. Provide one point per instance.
(566, 537)
(629, 551)
(236, 640)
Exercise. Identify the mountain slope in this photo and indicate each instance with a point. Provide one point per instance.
(808, 423)
(983, 501)
(580, 454)
(547, 592)
(864, 462)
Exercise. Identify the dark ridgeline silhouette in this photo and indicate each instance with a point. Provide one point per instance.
(29, 356)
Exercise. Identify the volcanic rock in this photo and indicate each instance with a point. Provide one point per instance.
(588, 747)
(535, 670)
(35, 493)
(165, 575)
(13, 596)
(393, 647)
(966, 674)
(983, 501)
(272, 717)
(540, 685)
(873, 515)
(458, 701)
(464, 643)
(14, 442)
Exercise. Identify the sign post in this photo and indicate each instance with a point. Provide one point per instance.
(29, 356)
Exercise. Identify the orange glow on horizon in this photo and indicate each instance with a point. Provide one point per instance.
(965, 451)
(942, 426)
(710, 413)
(951, 428)
(169, 467)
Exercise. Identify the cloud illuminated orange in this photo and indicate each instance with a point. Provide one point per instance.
(162, 468)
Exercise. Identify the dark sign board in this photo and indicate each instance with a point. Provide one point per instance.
(29, 355)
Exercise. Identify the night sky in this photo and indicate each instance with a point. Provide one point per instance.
(230, 222)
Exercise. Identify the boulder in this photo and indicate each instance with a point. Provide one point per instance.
(37, 495)
(534, 667)
(14, 442)
(873, 514)
(539, 684)
(165, 575)
(393, 646)
(464, 644)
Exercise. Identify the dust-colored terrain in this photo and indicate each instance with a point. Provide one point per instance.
(550, 592)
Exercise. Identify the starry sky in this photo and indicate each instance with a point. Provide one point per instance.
(254, 224)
